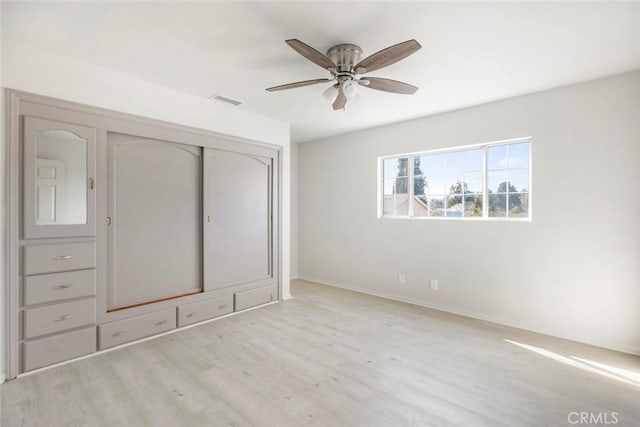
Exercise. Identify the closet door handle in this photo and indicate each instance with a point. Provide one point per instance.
(91, 183)
(59, 287)
(65, 317)
(62, 257)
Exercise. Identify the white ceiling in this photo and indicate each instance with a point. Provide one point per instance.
(473, 52)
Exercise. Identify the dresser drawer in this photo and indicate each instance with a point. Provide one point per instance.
(59, 286)
(59, 257)
(255, 297)
(203, 310)
(47, 351)
(59, 317)
(122, 331)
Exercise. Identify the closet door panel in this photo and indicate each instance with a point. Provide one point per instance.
(155, 210)
(238, 227)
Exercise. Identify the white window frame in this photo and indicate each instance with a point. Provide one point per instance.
(485, 191)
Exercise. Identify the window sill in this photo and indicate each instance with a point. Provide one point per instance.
(453, 218)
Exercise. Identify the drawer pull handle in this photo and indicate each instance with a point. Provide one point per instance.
(65, 286)
(162, 322)
(62, 257)
(117, 334)
(220, 307)
(65, 317)
(190, 315)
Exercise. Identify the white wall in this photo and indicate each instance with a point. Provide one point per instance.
(294, 210)
(36, 71)
(573, 272)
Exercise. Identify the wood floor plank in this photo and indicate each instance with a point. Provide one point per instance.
(330, 357)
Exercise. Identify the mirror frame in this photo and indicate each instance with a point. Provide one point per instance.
(32, 230)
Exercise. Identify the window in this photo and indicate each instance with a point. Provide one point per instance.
(396, 187)
(483, 181)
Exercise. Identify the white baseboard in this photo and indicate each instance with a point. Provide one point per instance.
(3, 377)
(624, 348)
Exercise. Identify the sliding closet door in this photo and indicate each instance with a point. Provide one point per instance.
(238, 228)
(155, 210)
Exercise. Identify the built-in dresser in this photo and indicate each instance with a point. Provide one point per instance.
(121, 228)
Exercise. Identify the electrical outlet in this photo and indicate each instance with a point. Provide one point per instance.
(402, 278)
(434, 284)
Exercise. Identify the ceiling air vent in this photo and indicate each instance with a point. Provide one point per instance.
(225, 99)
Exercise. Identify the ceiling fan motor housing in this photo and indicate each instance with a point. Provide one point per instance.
(345, 56)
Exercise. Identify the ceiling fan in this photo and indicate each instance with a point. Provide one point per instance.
(345, 63)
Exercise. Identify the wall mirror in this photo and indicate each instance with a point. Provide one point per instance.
(59, 167)
(61, 178)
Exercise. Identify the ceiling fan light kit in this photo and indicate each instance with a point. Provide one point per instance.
(350, 89)
(345, 64)
(331, 93)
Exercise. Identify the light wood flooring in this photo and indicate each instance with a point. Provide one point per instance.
(330, 357)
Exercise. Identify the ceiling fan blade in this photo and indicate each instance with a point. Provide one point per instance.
(388, 85)
(311, 54)
(298, 84)
(387, 56)
(341, 100)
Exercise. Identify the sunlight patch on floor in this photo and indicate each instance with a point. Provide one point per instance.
(602, 369)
